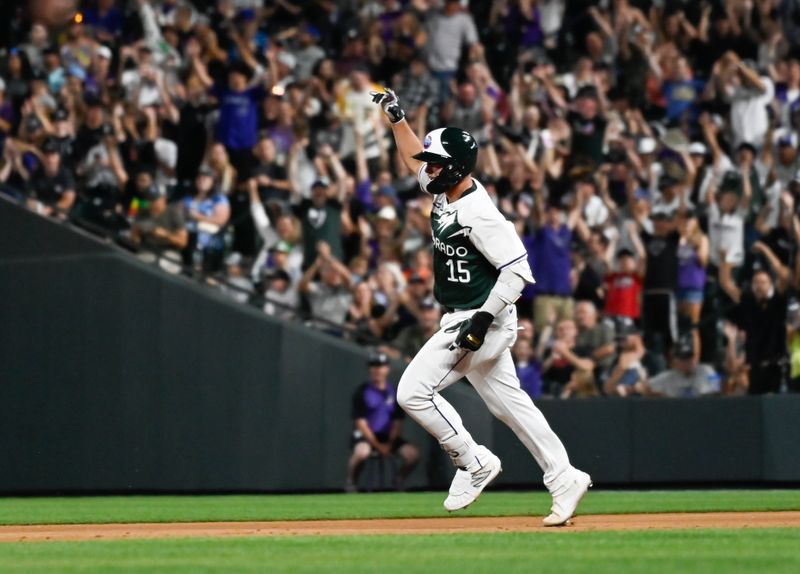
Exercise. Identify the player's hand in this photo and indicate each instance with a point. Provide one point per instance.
(390, 104)
(472, 333)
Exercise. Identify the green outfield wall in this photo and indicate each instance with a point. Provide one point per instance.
(117, 377)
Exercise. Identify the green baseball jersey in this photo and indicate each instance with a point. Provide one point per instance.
(472, 243)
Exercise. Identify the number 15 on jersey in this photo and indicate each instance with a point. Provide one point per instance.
(458, 272)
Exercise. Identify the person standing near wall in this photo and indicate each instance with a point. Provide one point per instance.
(377, 422)
(761, 313)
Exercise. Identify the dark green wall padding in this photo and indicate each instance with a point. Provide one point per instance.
(115, 377)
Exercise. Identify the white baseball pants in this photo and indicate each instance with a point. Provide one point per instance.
(491, 372)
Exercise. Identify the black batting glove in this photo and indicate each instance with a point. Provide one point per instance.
(390, 104)
(472, 333)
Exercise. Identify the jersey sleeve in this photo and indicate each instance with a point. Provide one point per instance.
(496, 238)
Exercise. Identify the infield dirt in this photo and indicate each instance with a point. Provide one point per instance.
(443, 525)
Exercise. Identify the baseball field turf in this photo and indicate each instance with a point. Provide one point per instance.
(724, 550)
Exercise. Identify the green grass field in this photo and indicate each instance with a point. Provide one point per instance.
(677, 551)
(109, 509)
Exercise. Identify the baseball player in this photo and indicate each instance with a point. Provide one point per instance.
(480, 269)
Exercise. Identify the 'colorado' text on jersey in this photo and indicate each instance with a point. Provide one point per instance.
(472, 243)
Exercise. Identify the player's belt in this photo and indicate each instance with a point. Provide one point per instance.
(447, 309)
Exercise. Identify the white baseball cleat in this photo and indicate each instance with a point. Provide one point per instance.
(566, 501)
(467, 486)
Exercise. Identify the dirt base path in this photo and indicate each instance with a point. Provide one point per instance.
(442, 525)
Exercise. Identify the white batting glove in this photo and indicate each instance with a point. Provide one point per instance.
(390, 104)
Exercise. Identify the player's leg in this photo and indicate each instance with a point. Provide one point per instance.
(361, 452)
(496, 382)
(433, 369)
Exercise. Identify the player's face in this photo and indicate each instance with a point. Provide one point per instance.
(433, 170)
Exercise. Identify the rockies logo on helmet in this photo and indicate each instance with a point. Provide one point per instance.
(455, 150)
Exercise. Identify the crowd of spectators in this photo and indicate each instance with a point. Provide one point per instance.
(646, 150)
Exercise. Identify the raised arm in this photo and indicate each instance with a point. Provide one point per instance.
(259, 214)
(781, 271)
(152, 33)
(116, 164)
(172, 111)
(8, 163)
(580, 363)
(338, 171)
(326, 256)
(748, 75)
(601, 21)
(304, 286)
(703, 249)
(747, 188)
(293, 169)
(362, 168)
(244, 51)
(638, 246)
(726, 278)
(710, 134)
(702, 27)
(408, 143)
(201, 72)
